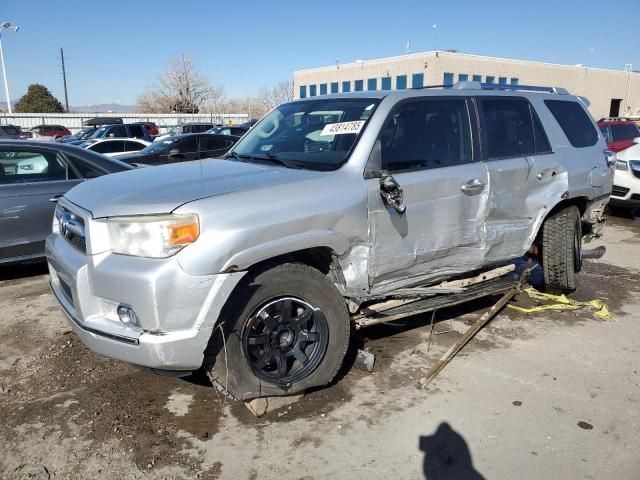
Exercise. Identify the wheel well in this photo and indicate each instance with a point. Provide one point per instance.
(320, 258)
(580, 202)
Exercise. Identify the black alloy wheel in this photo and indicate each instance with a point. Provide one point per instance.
(285, 340)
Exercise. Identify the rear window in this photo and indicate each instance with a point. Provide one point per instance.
(574, 121)
(624, 131)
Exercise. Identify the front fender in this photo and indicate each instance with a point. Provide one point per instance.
(264, 251)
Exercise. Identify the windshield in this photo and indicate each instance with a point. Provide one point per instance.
(99, 133)
(313, 134)
(159, 145)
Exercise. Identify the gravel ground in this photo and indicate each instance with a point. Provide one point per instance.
(554, 395)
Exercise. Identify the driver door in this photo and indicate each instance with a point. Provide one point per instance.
(426, 145)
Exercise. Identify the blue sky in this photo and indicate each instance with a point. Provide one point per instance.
(114, 49)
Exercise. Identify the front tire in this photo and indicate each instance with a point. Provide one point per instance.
(286, 329)
(562, 249)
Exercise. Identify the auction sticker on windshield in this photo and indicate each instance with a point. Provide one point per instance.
(342, 128)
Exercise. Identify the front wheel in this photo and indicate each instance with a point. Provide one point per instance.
(562, 249)
(285, 330)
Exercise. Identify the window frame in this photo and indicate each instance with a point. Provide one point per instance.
(404, 80)
(373, 167)
(302, 89)
(477, 101)
(44, 151)
(348, 84)
(358, 83)
(372, 81)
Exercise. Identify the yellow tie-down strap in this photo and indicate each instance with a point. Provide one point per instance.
(563, 303)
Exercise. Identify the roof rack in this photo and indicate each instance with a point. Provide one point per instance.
(467, 85)
(470, 85)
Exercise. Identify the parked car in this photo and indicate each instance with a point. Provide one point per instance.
(80, 136)
(114, 147)
(187, 128)
(233, 130)
(181, 148)
(121, 131)
(255, 267)
(619, 134)
(626, 183)
(54, 131)
(11, 131)
(33, 175)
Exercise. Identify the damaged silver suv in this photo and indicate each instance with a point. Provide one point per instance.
(257, 266)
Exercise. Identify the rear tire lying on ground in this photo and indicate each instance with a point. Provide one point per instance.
(286, 329)
(562, 249)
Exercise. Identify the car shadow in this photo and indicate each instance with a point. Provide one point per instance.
(447, 456)
(23, 270)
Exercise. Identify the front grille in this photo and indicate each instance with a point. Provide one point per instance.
(618, 191)
(66, 290)
(71, 227)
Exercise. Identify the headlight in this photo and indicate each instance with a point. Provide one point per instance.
(622, 165)
(155, 236)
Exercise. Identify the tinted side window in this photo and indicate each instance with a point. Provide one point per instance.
(33, 166)
(133, 146)
(507, 127)
(426, 134)
(117, 131)
(187, 145)
(86, 170)
(108, 147)
(212, 143)
(624, 131)
(574, 121)
(136, 131)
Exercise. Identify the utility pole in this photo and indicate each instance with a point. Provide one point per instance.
(64, 79)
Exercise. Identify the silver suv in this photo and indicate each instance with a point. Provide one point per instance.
(255, 267)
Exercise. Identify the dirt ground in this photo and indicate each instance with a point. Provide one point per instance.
(553, 395)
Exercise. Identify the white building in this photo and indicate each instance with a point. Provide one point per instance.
(611, 92)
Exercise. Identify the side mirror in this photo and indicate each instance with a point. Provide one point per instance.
(391, 193)
(636, 140)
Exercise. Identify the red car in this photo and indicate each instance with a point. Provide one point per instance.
(55, 131)
(619, 134)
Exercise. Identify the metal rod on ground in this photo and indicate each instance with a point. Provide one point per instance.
(471, 332)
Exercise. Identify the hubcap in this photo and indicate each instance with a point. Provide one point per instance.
(285, 340)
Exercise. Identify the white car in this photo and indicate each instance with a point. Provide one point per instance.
(113, 147)
(626, 183)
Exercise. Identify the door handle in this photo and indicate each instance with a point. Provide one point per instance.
(55, 198)
(473, 186)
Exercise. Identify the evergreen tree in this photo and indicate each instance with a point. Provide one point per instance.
(38, 99)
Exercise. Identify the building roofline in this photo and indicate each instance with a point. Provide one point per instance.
(437, 53)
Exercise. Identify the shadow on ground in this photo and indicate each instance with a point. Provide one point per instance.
(447, 456)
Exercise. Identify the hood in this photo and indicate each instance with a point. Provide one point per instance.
(631, 153)
(162, 189)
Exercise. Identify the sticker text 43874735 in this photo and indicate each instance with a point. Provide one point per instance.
(342, 128)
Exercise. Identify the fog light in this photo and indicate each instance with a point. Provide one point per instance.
(127, 315)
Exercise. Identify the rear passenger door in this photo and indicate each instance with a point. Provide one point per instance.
(31, 180)
(520, 163)
(427, 146)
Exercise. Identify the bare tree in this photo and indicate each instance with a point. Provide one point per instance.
(281, 93)
(180, 88)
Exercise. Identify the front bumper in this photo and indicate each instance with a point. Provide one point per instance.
(176, 311)
(626, 189)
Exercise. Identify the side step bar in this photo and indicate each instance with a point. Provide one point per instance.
(396, 309)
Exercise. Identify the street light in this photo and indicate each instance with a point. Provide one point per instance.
(5, 26)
